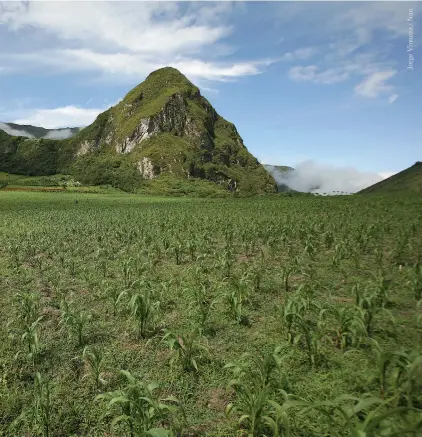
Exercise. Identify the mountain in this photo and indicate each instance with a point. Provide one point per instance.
(407, 181)
(162, 128)
(280, 173)
(29, 131)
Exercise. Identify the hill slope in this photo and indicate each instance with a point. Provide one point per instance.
(408, 180)
(163, 127)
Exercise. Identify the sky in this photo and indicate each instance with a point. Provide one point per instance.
(325, 86)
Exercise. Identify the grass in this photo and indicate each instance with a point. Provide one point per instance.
(408, 180)
(250, 314)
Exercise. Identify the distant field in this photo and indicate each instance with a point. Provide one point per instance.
(176, 290)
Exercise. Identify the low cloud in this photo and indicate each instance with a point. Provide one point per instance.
(61, 117)
(311, 176)
(61, 134)
(15, 132)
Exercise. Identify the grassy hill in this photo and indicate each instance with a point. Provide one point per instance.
(409, 180)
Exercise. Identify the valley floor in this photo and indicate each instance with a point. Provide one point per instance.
(323, 294)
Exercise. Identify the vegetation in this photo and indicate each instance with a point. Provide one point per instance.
(128, 315)
(408, 180)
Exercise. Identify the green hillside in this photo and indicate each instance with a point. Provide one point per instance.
(409, 180)
(163, 127)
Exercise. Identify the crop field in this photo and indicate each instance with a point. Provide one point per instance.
(125, 315)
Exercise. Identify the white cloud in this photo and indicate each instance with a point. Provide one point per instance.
(375, 84)
(323, 178)
(61, 134)
(300, 54)
(393, 98)
(387, 174)
(347, 30)
(67, 116)
(127, 40)
(311, 73)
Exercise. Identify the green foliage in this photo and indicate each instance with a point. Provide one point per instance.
(94, 359)
(139, 407)
(38, 417)
(255, 383)
(74, 321)
(408, 180)
(103, 168)
(144, 312)
(186, 348)
(96, 254)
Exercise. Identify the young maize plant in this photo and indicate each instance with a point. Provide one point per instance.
(144, 312)
(296, 305)
(94, 360)
(234, 300)
(127, 272)
(28, 308)
(37, 419)
(116, 296)
(416, 281)
(177, 250)
(138, 408)
(30, 339)
(255, 388)
(350, 326)
(369, 303)
(313, 337)
(74, 321)
(367, 416)
(406, 377)
(186, 349)
(204, 305)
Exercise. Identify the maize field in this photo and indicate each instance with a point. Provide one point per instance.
(125, 315)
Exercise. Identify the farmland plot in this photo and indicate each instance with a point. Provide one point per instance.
(282, 316)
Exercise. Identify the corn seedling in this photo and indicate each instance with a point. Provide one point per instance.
(138, 408)
(143, 311)
(350, 326)
(38, 417)
(74, 321)
(294, 306)
(186, 349)
(254, 387)
(313, 338)
(94, 360)
(366, 417)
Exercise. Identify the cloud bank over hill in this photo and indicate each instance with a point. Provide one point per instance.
(311, 176)
(15, 132)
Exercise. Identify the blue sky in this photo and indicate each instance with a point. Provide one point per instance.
(325, 83)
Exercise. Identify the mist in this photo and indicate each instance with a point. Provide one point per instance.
(310, 176)
(60, 134)
(15, 132)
